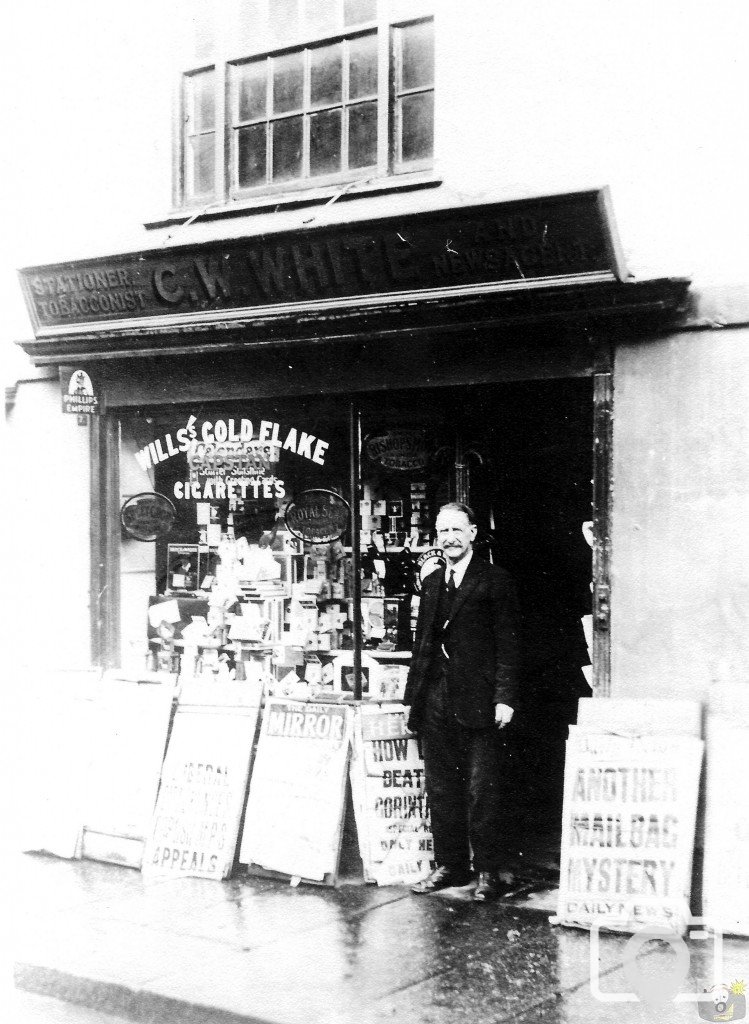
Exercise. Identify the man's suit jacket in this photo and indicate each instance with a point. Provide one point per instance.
(482, 640)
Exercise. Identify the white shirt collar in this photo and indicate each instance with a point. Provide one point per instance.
(459, 568)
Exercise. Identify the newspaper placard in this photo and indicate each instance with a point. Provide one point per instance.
(628, 825)
(204, 780)
(725, 894)
(131, 722)
(397, 754)
(49, 788)
(390, 801)
(294, 818)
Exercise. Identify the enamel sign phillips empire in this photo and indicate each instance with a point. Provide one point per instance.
(78, 392)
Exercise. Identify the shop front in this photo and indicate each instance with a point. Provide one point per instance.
(278, 419)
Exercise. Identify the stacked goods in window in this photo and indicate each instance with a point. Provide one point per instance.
(369, 523)
(384, 517)
(395, 529)
(419, 514)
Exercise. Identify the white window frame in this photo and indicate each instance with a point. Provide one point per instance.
(187, 133)
(227, 190)
(397, 92)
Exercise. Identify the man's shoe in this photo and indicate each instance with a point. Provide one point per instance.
(441, 878)
(489, 887)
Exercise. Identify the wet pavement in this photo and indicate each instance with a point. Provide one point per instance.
(249, 949)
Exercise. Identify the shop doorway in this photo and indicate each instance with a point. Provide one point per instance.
(521, 454)
(536, 491)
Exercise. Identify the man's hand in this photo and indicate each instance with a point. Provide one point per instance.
(503, 715)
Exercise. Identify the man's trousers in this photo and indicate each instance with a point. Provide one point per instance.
(462, 769)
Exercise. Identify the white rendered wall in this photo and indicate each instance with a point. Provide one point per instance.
(680, 579)
(533, 97)
(538, 97)
(47, 545)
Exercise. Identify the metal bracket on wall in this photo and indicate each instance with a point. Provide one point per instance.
(603, 408)
(602, 611)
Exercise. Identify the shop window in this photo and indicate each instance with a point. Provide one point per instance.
(222, 566)
(245, 552)
(337, 94)
(249, 568)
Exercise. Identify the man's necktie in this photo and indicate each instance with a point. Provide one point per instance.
(450, 591)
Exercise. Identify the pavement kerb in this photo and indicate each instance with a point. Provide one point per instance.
(140, 1005)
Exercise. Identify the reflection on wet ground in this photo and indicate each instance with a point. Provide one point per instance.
(258, 948)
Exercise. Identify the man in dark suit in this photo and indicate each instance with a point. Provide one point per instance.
(461, 689)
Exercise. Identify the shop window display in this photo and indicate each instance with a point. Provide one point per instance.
(254, 579)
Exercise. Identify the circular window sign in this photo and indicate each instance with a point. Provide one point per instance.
(147, 516)
(427, 563)
(317, 516)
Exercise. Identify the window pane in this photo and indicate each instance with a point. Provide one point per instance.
(325, 75)
(201, 102)
(202, 164)
(284, 19)
(287, 149)
(362, 135)
(322, 16)
(325, 142)
(417, 55)
(417, 126)
(357, 11)
(251, 146)
(251, 89)
(363, 66)
(288, 82)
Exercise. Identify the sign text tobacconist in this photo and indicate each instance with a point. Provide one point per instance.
(559, 236)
